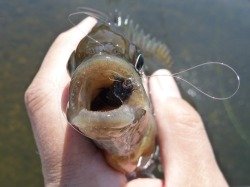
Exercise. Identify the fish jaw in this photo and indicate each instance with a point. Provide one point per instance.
(125, 132)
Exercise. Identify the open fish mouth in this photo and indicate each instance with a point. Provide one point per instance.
(95, 91)
(108, 104)
(107, 99)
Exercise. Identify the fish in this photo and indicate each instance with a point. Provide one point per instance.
(108, 102)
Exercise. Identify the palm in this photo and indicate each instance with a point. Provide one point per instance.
(82, 161)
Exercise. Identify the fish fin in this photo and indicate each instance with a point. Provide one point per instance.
(150, 47)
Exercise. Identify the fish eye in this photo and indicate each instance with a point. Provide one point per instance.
(139, 62)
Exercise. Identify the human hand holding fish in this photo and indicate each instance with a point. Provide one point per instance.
(70, 159)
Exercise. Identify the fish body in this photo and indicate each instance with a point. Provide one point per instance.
(107, 101)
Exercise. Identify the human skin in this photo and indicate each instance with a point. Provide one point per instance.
(70, 159)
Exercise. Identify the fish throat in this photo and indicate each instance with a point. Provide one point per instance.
(113, 96)
(104, 83)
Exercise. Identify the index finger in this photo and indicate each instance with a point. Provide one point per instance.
(55, 61)
(46, 93)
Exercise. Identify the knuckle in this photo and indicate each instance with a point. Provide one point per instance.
(62, 35)
(190, 119)
(35, 98)
(186, 115)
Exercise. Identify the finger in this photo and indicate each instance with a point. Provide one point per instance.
(50, 82)
(55, 62)
(45, 97)
(185, 147)
(66, 43)
(165, 82)
(145, 183)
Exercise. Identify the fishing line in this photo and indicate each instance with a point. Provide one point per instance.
(90, 12)
(174, 75)
(100, 16)
(106, 19)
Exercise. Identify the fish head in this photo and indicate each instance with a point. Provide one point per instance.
(108, 102)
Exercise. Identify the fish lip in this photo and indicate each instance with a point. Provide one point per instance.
(117, 137)
(108, 124)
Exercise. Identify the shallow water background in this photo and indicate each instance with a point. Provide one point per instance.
(196, 32)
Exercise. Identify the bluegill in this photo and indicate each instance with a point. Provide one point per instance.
(107, 101)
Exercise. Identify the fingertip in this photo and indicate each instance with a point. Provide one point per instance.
(162, 72)
(85, 26)
(55, 61)
(145, 183)
(90, 20)
(163, 85)
(73, 36)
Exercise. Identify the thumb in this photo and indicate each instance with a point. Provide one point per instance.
(186, 151)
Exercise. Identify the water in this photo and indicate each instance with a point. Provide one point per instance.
(196, 32)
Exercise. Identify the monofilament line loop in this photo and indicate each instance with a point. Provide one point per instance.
(203, 92)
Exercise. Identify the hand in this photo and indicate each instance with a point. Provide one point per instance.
(70, 159)
(67, 157)
(187, 156)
